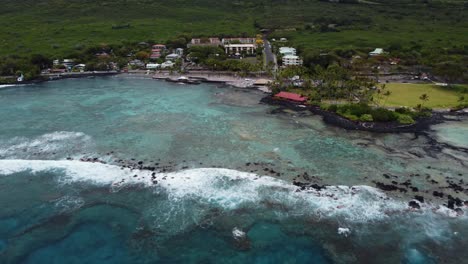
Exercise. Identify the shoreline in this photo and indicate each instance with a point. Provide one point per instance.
(420, 126)
(210, 77)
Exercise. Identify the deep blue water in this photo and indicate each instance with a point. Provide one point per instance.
(222, 188)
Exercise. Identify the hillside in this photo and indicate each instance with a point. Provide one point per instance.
(59, 27)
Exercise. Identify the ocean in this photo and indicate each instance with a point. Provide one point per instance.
(132, 170)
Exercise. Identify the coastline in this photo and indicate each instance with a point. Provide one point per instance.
(330, 118)
(233, 80)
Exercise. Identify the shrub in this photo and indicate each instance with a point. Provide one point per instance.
(405, 119)
(403, 110)
(350, 116)
(366, 118)
(383, 115)
(356, 109)
(332, 108)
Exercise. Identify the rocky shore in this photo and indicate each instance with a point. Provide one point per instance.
(331, 118)
(401, 186)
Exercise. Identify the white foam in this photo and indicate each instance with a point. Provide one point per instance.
(48, 143)
(238, 233)
(343, 231)
(228, 189)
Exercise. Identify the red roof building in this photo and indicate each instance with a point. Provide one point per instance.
(291, 97)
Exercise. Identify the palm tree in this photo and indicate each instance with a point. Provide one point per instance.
(424, 98)
(386, 94)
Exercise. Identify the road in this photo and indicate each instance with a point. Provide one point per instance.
(270, 57)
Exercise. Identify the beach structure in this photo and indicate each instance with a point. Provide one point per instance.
(167, 64)
(262, 82)
(153, 66)
(376, 52)
(293, 97)
(291, 60)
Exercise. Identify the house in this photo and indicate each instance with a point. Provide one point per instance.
(167, 64)
(172, 57)
(287, 51)
(291, 60)
(80, 67)
(137, 63)
(179, 52)
(152, 66)
(291, 97)
(376, 52)
(204, 42)
(238, 41)
(240, 48)
(69, 63)
(159, 46)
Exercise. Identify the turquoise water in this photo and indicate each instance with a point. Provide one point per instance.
(223, 162)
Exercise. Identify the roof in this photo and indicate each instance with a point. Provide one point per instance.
(291, 96)
(377, 51)
(291, 57)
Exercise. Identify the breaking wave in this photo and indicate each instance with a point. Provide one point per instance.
(54, 144)
(226, 189)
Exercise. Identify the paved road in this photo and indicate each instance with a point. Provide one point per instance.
(269, 55)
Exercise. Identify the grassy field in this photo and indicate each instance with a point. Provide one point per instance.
(59, 27)
(405, 94)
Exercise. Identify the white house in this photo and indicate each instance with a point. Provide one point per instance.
(291, 60)
(238, 41)
(167, 64)
(240, 48)
(287, 51)
(179, 51)
(172, 57)
(152, 66)
(376, 52)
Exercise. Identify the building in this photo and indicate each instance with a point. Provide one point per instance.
(291, 97)
(136, 63)
(226, 41)
(205, 42)
(287, 51)
(172, 57)
(179, 52)
(292, 60)
(167, 64)
(159, 46)
(376, 52)
(239, 49)
(152, 66)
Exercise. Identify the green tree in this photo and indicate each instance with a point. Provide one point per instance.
(424, 98)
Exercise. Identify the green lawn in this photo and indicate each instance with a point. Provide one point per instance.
(405, 94)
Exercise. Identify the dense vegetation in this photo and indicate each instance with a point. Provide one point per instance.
(432, 33)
